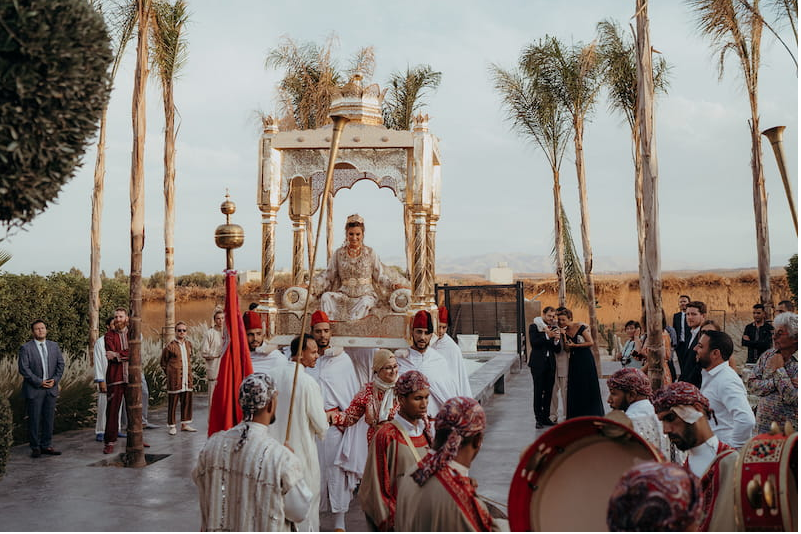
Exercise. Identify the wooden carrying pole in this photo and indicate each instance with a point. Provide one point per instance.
(339, 125)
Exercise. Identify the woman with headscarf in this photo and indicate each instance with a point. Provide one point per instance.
(350, 286)
(376, 401)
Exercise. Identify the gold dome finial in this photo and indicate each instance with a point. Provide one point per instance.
(229, 236)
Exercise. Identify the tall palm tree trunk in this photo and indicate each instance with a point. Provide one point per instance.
(650, 261)
(169, 209)
(94, 254)
(135, 456)
(578, 126)
(559, 241)
(760, 207)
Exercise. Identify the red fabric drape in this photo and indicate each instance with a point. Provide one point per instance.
(235, 365)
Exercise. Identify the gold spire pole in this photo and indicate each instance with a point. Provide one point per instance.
(229, 236)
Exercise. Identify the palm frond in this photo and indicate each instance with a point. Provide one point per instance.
(575, 282)
(406, 92)
(5, 256)
(169, 45)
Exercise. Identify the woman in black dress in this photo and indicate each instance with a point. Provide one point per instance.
(583, 390)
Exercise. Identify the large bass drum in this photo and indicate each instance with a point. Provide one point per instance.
(564, 479)
(766, 483)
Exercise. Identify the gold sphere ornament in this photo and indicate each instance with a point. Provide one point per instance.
(229, 236)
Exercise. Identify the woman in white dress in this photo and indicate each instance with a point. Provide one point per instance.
(355, 278)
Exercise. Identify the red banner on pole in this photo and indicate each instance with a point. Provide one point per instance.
(235, 365)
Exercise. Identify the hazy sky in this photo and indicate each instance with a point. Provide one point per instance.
(496, 192)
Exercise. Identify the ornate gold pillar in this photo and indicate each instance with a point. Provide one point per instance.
(419, 279)
(298, 250)
(431, 256)
(267, 302)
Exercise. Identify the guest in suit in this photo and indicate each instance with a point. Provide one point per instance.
(41, 366)
(690, 370)
(681, 327)
(544, 337)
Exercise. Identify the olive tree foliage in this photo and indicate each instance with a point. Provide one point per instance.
(54, 83)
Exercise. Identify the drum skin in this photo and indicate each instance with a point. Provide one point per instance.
(564, 479)
(766, 484)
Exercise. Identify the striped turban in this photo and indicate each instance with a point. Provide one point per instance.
(630, 379)
(409, 382)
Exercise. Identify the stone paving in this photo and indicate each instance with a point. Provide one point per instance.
(66, 493)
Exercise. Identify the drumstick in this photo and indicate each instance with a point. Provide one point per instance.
(484, 498)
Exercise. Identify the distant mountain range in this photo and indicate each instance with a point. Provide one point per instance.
(531, 264)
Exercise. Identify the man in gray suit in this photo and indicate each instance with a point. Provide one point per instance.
(41, 366)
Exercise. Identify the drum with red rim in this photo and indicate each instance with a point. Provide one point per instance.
(766, 483)
(564, 479)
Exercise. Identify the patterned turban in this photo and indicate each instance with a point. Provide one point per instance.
(255, 392)
(463, 417)
(680, 394)
(630, 379)
(655, 497)
(409, 382)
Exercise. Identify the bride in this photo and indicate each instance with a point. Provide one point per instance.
(355, 277)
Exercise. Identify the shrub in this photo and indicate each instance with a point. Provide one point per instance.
(54, 84)
(792, 275)
(6, 432)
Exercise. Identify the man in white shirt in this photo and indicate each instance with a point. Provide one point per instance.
(734, 420)
(445, 345)
(421, 357)
(211, 349)
(685, 415)
(630, 391)
(342, 453)
(308, 419)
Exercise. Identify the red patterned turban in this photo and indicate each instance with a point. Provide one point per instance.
(679, 394)
(409, 382)
(655, 497)
(630, 379)
(464, 417)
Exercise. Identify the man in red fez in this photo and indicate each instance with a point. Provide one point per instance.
(423, 358)
(265, 359)
(342, 452)
(445, 345)
(685, 413)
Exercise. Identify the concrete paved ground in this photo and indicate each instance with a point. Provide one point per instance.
(65, 493)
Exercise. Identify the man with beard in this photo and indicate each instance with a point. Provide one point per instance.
(690, 371)
(685, 414)
(445, 345)
(396, 447)
(211, 349)
(248, 481)
(757, 336)
(308, 423)
(543, 334)
(117, 353)
(734, 419)
(343, 452)
(269, 362)
(421, 357)
(630, 391)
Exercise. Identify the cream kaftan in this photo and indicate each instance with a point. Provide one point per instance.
(308, 422)
(446, 346)
(243, 491)
(211, 350)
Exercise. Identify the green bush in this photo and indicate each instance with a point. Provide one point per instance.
(6, 433)
(54, 84)
(61, 300)
(792, 275)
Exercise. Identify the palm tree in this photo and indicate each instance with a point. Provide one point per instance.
(536, 114)
(167, 56)
(122, 21)
(618, 56)
(648, 196)
(135, 456)
(736, 25)
(405, 95)
(574, 74)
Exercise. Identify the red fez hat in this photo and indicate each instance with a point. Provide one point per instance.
(319, 317)
(443, 315)
(252, 320)
(422, 319)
